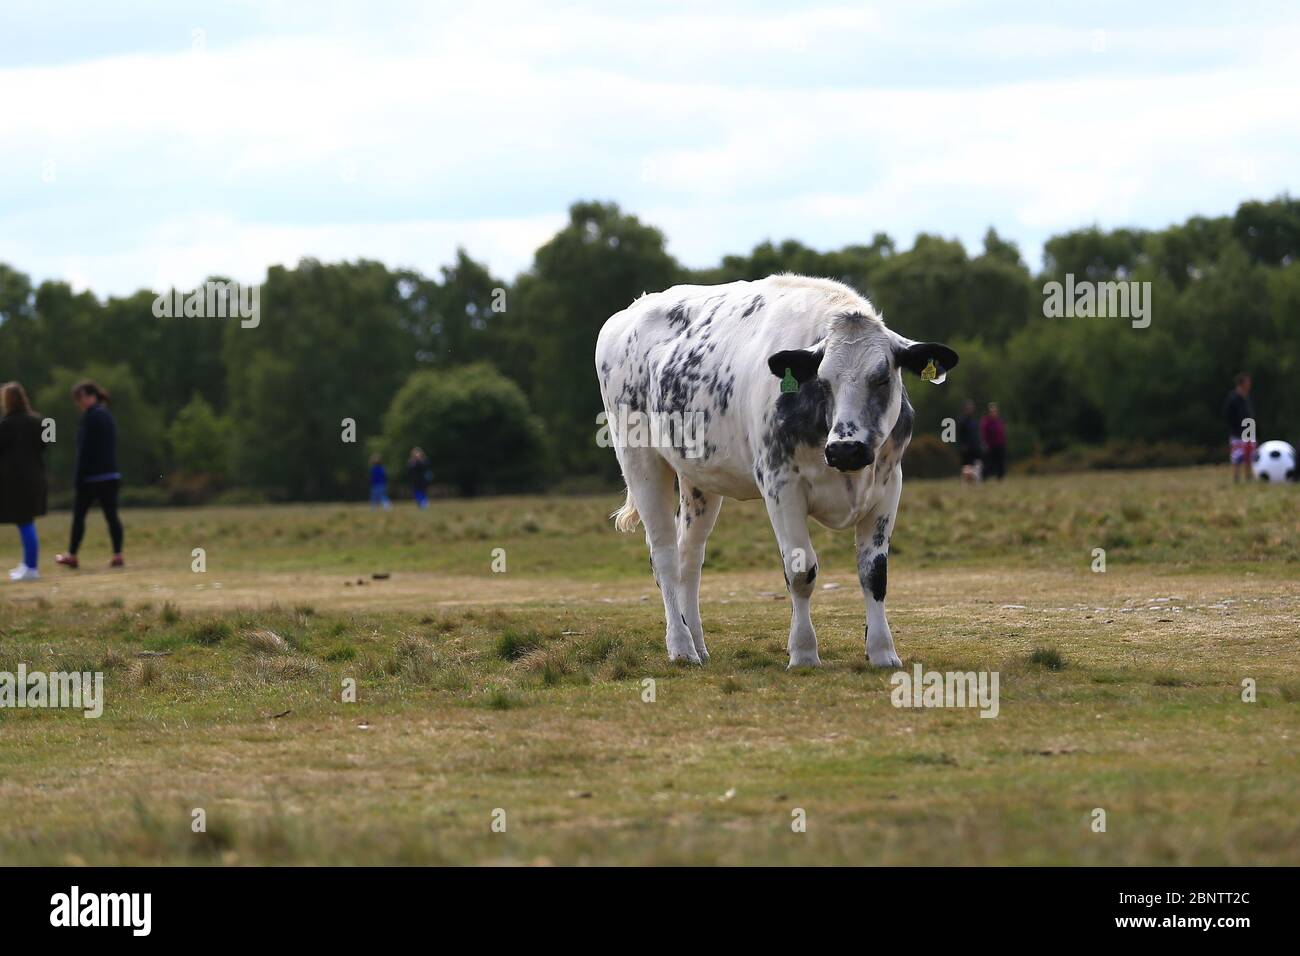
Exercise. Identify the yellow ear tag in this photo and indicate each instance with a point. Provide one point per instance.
(933, 373)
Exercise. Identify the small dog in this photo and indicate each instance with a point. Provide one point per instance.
(972, 474)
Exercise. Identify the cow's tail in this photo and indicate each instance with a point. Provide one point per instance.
(626, 518)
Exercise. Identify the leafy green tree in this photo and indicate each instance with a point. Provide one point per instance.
(1269, 231)
(200, 439)
(924, 292)
(593, 267)
(459, 319)
(172, 358)
(474, 424)
(301, 394)
(1093, 253)
(330, 349)
(1182, 254)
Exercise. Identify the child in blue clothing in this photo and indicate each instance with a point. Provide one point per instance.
(378, 484)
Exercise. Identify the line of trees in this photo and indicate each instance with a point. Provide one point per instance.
(495, 378)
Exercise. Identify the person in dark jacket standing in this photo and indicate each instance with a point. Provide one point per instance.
(97, 477)
(417, 467)
(1239, 416)
(22, 475)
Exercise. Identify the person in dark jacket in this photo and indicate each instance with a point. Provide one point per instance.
(417, 467)
(22, 475)
(1239, 416)
(97, 477)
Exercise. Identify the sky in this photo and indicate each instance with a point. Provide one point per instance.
(149, 145)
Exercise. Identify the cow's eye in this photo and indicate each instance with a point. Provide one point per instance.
(878, 380)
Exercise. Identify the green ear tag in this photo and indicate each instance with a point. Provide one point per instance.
(929, 373)
(788, 384)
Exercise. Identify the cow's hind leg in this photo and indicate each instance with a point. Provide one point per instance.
(650, 484)
(697, 512)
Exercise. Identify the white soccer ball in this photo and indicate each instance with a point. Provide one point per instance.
(1275, 462)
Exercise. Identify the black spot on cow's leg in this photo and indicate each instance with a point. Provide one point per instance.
(799, 583)
(878, 539)
(878, 577)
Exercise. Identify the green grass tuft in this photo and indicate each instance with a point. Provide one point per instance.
(501, 700)
(1048, 657)
(210, 632)
(512, 645)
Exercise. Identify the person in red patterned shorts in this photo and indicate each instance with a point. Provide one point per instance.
(1239, 416)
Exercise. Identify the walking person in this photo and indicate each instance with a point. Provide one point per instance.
(23, 489)
(378, 484)
(968, 434)
(994, 433)
(1239, 416)
(97, 477)
(417, 467)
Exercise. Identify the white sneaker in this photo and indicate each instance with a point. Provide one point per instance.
(24, 574)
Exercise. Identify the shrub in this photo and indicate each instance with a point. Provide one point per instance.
(200, 440)
(929, 457)
(475, 424)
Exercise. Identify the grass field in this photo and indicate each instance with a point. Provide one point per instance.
(523, 691)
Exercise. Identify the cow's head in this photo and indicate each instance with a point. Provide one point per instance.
(861, 363)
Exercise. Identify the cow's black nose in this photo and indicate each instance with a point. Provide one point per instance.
(849, 455)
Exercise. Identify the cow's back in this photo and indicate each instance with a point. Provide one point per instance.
(702, 351)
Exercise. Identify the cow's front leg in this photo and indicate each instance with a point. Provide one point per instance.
(872, 535)
(788, 510)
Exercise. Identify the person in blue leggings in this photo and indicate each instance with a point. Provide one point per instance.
(22, 475)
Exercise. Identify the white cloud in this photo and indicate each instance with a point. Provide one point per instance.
(399, 139)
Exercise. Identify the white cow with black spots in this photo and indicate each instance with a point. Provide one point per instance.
(789, 389)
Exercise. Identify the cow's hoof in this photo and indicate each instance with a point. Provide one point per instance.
(885, 660)
(803, 660)
(684, 657)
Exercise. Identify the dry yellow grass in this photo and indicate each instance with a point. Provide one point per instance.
(524, 692)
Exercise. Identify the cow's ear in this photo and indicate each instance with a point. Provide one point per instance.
(802, 363)
(930, 360)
